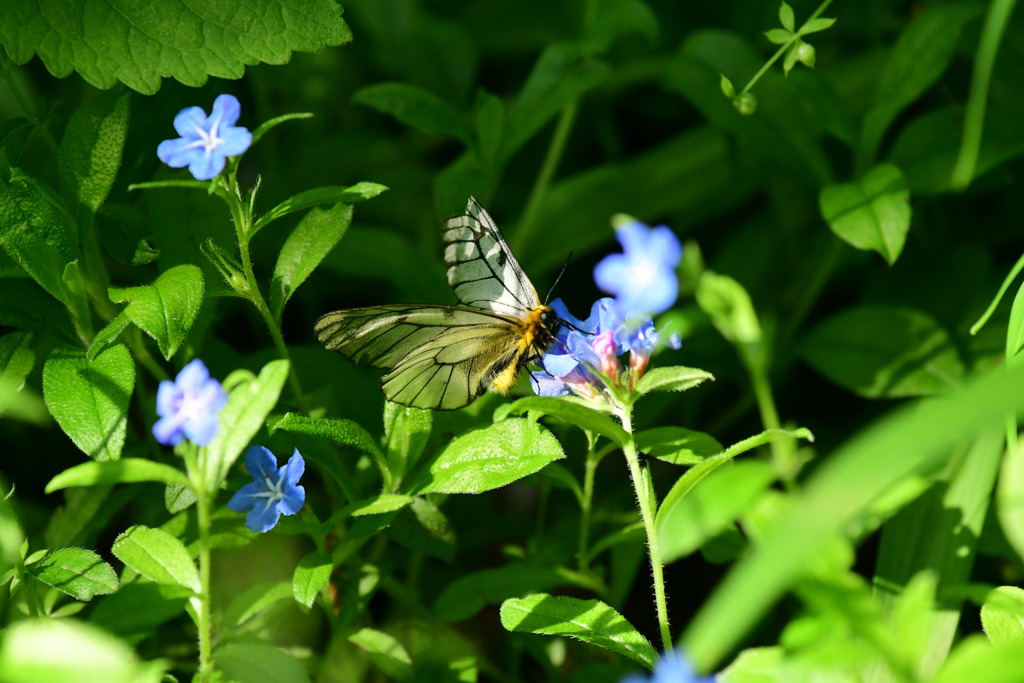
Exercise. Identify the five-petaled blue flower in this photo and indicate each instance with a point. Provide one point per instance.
(188, 406)
(273, 492)
(642, 278)
(672, 668)
(205, 143)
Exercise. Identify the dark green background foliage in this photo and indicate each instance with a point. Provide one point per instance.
(857, 261)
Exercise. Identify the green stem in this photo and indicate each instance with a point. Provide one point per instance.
(645, 496)
(782, 48)
(547, 171)
(243, 223)
(585, 508)
(204, 622)
(976, 327)
(999, 12)
(27, 585)
(781, 445)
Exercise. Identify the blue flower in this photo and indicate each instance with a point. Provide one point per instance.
(642, 341)
(205, 143)
(273, 492)
(672, 668)
(188, 406)
(643, 277)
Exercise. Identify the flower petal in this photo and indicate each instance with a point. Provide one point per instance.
(208, 166)
(246, 497)
(260, 463)
(611, 273)
(177, 153)
(188, 120)
(663, 243)
(225, 110)
(545, 385)
(294, 468)
(559, 364)
(200, 429)
(167, 430)
(192, 377)
(234, 141)
(168, 396)
(261, 518)
(292, 500)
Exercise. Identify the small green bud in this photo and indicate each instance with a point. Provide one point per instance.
(805, 54)
(745, 104)
(727, 88)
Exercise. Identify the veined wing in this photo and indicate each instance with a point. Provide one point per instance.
(481, 268)
(442, 357)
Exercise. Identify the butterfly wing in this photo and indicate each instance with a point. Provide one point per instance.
(481, 268)
(441, 357)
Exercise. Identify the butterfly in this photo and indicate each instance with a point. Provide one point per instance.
(443, 357)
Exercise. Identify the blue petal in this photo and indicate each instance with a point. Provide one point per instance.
(201, 428)
(294, 468)
(545, 385)
(167, 431)
(260, 463)
(192, 376)
(674, 668)
(188, 120)
(211, 396)
(635, 678)
(208, 166)
(633, 237)
(246, 497)
(663, 243)
(176, 153)
(167, 397)
(225, 110)
(560, 364)
(612, 273)
(234, 141)
(292, 499)
(262, 519)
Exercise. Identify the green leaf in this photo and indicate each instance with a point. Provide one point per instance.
(1015, 332)
(1002, 616)
(493, 456)
(562, 74)
(686, 520)
(78, 572)
(417, 108)
(124, 471)
(815, 25)
(468, 594)
(32, 215)
(385, 502)
(255, 599)
(257, 663)
(311, 575)
(870, 213)
(731, 310)
(786, 17)
(310, 241)
(407, 430)
(387, 654)
(727, 87)
(423, 528)
(158, 556)
(489, 126)
(27, 307)
(884, 352)
(343, 432)
(573, 412)
(138, 608)
(591, 621)
(677, 445)
(69, 651)
(166, 309)
(609, 20)
(269, 124)
(755, 665)
(90, 153)
(124, 230)
(921, 55)
(1010, 498)
(674, 378)
(778, 36)
(16, 361)
(139, 45)
(247, 408)
(975, 660)
(11, 536)
(319, 196)
(89, 399)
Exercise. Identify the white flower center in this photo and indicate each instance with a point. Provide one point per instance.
(209, 140)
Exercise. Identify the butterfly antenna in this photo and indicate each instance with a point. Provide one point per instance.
(560, 274)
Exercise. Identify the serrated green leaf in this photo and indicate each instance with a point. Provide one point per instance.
(158, 556)
(573, 412)
(140, 45)
(139, 607)
(124, 471)
(468, 594)
(90, 153)
(1002, 616)
(677, 445)
(691, 515)
(387, 653)
(78, 572)
(311, 575)
(166, 309)
(258, 663)
(247, 408)
(89, 399)
(591, 621)
(492, 457)
(673, 378)
(872, 212)
(417, 108)
(884, 352)
(307, 245)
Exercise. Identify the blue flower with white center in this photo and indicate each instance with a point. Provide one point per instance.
(273, 492)
(205, 143)
(672, 668)
(643, 277)
(188, 406)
